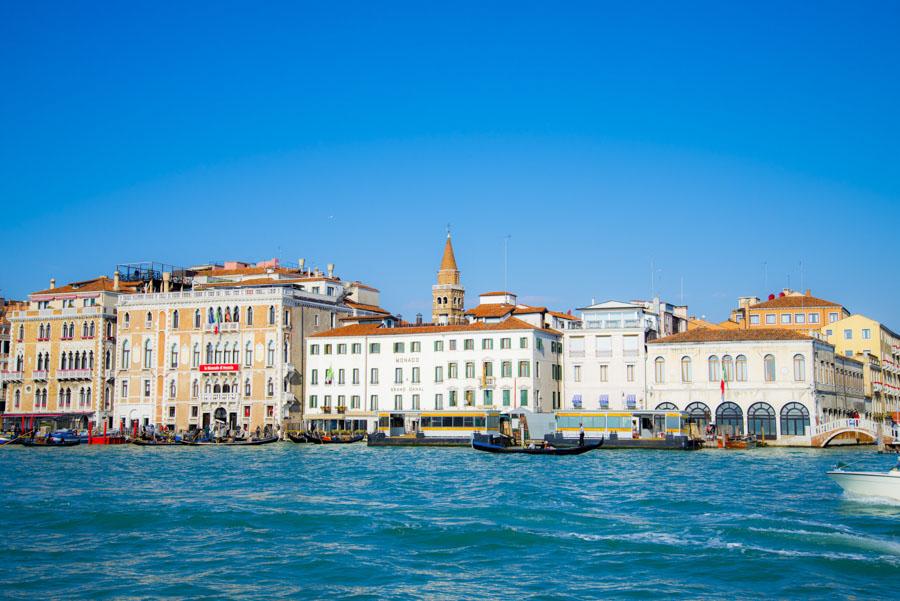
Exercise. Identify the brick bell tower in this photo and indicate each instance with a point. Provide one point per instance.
(448, 295)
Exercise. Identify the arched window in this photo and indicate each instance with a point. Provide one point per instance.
(698, 413)
(715, 375)
(769, 363)
(87, 397)
(149, 319)
(63, 364)
(659, 370)
(17, 399)
(195, 355)
(40, 362)
(235, 314)
(799, 368)
(270, 388)
(685, 369)
(794, 419)
(248, 354)
(173, 358)
(197, 319)
(209, 352)
(84, 329)
(91, 329)
(226, 353)
(728, 368)
(666, 407)
(172, 389)
(270, 354)
(148, 355)
(761, 421)
(217, 388)
(107, 395)
(21, 336)
(271, 315)
(107, 360)
(249, 316)
(195, 389)
(730, 419)
(77, 361)
(175, 319)
(109, 331)
(235, 354)
(40, 331)
(127, 320)
(81, 398)
(287, 351)
(208, 388)
(126, 355)
(211, 316)
(90, 360)
(247, 387)
(218, 355)
(740, 368)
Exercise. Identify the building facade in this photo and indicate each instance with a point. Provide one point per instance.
(605, 352)
(62, 352)
(878, 348)
(790, 310)
(230, 350)
(356, 371)
(778, 383)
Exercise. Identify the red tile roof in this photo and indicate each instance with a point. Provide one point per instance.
(369, 329)
(491, 310)
(792, 301)
(101, 284)
(563, 315)
(498, 293)
(723, 335)
(364, 307)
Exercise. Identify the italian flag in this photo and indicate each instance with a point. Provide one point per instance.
(722, 383)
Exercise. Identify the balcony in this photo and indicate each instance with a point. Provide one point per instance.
(573, 353)
(488, 382)
(228, 326)
(326, 409)
(218, 397)
(39, 375)
(11, 376)
(604, 354)
(341, 409)
(73, 374)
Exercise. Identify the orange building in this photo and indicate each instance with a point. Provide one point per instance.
(789, 310)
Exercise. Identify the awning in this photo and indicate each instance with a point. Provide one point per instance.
(30, 415)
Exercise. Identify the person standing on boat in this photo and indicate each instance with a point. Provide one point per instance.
(581, 434)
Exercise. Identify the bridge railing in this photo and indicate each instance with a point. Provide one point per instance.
(865, 425)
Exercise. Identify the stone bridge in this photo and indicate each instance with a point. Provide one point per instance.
(852, 431)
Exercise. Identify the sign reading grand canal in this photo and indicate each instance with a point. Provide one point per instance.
(218, 367)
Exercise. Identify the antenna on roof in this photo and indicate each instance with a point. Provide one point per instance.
(506, 262)
(765, 277)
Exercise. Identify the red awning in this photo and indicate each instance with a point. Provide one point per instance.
(30, 415)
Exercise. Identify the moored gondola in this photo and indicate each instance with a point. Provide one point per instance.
(327, 439)
(51, 442)
(298, 438)
(230, 443)
(499, 449)
(154, 443)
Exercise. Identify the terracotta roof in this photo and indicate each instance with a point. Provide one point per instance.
(723, 335)
(369, 329)
(498, 293)
(563, 315)
(363, 286)
(791, 301)
(101, 284)
(696, 324)
(525, 309)
(362, 317)
(448, 261)
(364, 307)
(729, 324)
(492, 310)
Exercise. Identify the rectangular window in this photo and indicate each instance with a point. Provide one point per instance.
(313, 401)
(375, 347)
(488, 395)
(604, 373)
(373, 376)
(354, 401)
(326, 400)
(505, 343)
(314, 377)
(523, 397)
(373, 402)
(355, 375)
(470, 369)
(342, 349)
(398, 375)
(124, 389)
(785, 318)
(754, 320)
(867, 334)
(452, 345)
(524, 369)
(523, 342)
(452, 373)
(327, 349)
(342, 401)
(415, 375)
(487, 344)
(438, 373)
(832, 317)
(507, 394)
(469, 344)
(314, 349)
(398, 347)
(356, 349)
(342, 376)
(438, 401)
(800, 318)
(848, 334)
(576, 373)
(629, 372)
(506, 369)
(452, 398)
(487, 369)
(398, 402)
(770, 318)
(438, 345)
(415, 347)
(813, 318)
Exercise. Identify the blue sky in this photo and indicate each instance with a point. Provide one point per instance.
(704, 138)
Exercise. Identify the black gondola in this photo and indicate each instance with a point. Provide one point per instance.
(153, 443)
(50, 442)
(314, 439)
(495, 448)
(298, 438)
(230, 443)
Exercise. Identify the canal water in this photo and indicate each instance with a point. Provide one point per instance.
(296, 521)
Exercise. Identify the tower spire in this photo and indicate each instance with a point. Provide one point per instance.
(448, 295)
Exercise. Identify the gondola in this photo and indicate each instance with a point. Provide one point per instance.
(230, 443)
(49, 442)
(298, 438)
(495, 448)
(154, 443)
(313, 439)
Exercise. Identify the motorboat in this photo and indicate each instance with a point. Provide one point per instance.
(869, 484)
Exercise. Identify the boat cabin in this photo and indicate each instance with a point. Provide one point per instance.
(438, 424)
(641, 425)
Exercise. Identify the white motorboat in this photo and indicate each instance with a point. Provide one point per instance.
(869, 484)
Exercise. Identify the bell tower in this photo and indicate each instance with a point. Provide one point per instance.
(448, 295)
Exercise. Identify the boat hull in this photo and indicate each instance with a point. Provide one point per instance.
(502, 450)
(868, 484)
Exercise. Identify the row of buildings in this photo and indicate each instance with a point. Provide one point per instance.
(271, 344)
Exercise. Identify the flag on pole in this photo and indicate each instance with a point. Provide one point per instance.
(722, 384)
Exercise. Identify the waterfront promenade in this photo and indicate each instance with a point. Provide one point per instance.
(299, 521)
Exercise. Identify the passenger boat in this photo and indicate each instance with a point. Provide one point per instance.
(230, 443)
(627, 429)
(48, 441)
(489, 447)
(869, 484)
(314, 439)
(451, 428)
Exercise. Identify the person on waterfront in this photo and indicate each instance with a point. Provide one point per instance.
(581, 434)
(257, 432)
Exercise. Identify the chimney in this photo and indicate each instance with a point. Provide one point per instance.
(52, 283)
(116, 281)
(418, 319)
(167, 277)
(330, 270)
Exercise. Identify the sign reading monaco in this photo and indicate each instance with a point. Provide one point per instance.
(218, 367)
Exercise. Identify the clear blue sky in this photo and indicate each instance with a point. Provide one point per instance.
(707, 138)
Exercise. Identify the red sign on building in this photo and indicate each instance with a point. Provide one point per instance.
(218, 367)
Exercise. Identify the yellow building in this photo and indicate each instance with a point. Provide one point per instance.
(878, 347)
(790, 310)
(62, 348)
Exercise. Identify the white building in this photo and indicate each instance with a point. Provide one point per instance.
(778, 383)
(605, 352)
(356, 371)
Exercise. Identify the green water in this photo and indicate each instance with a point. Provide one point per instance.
(298, 521)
